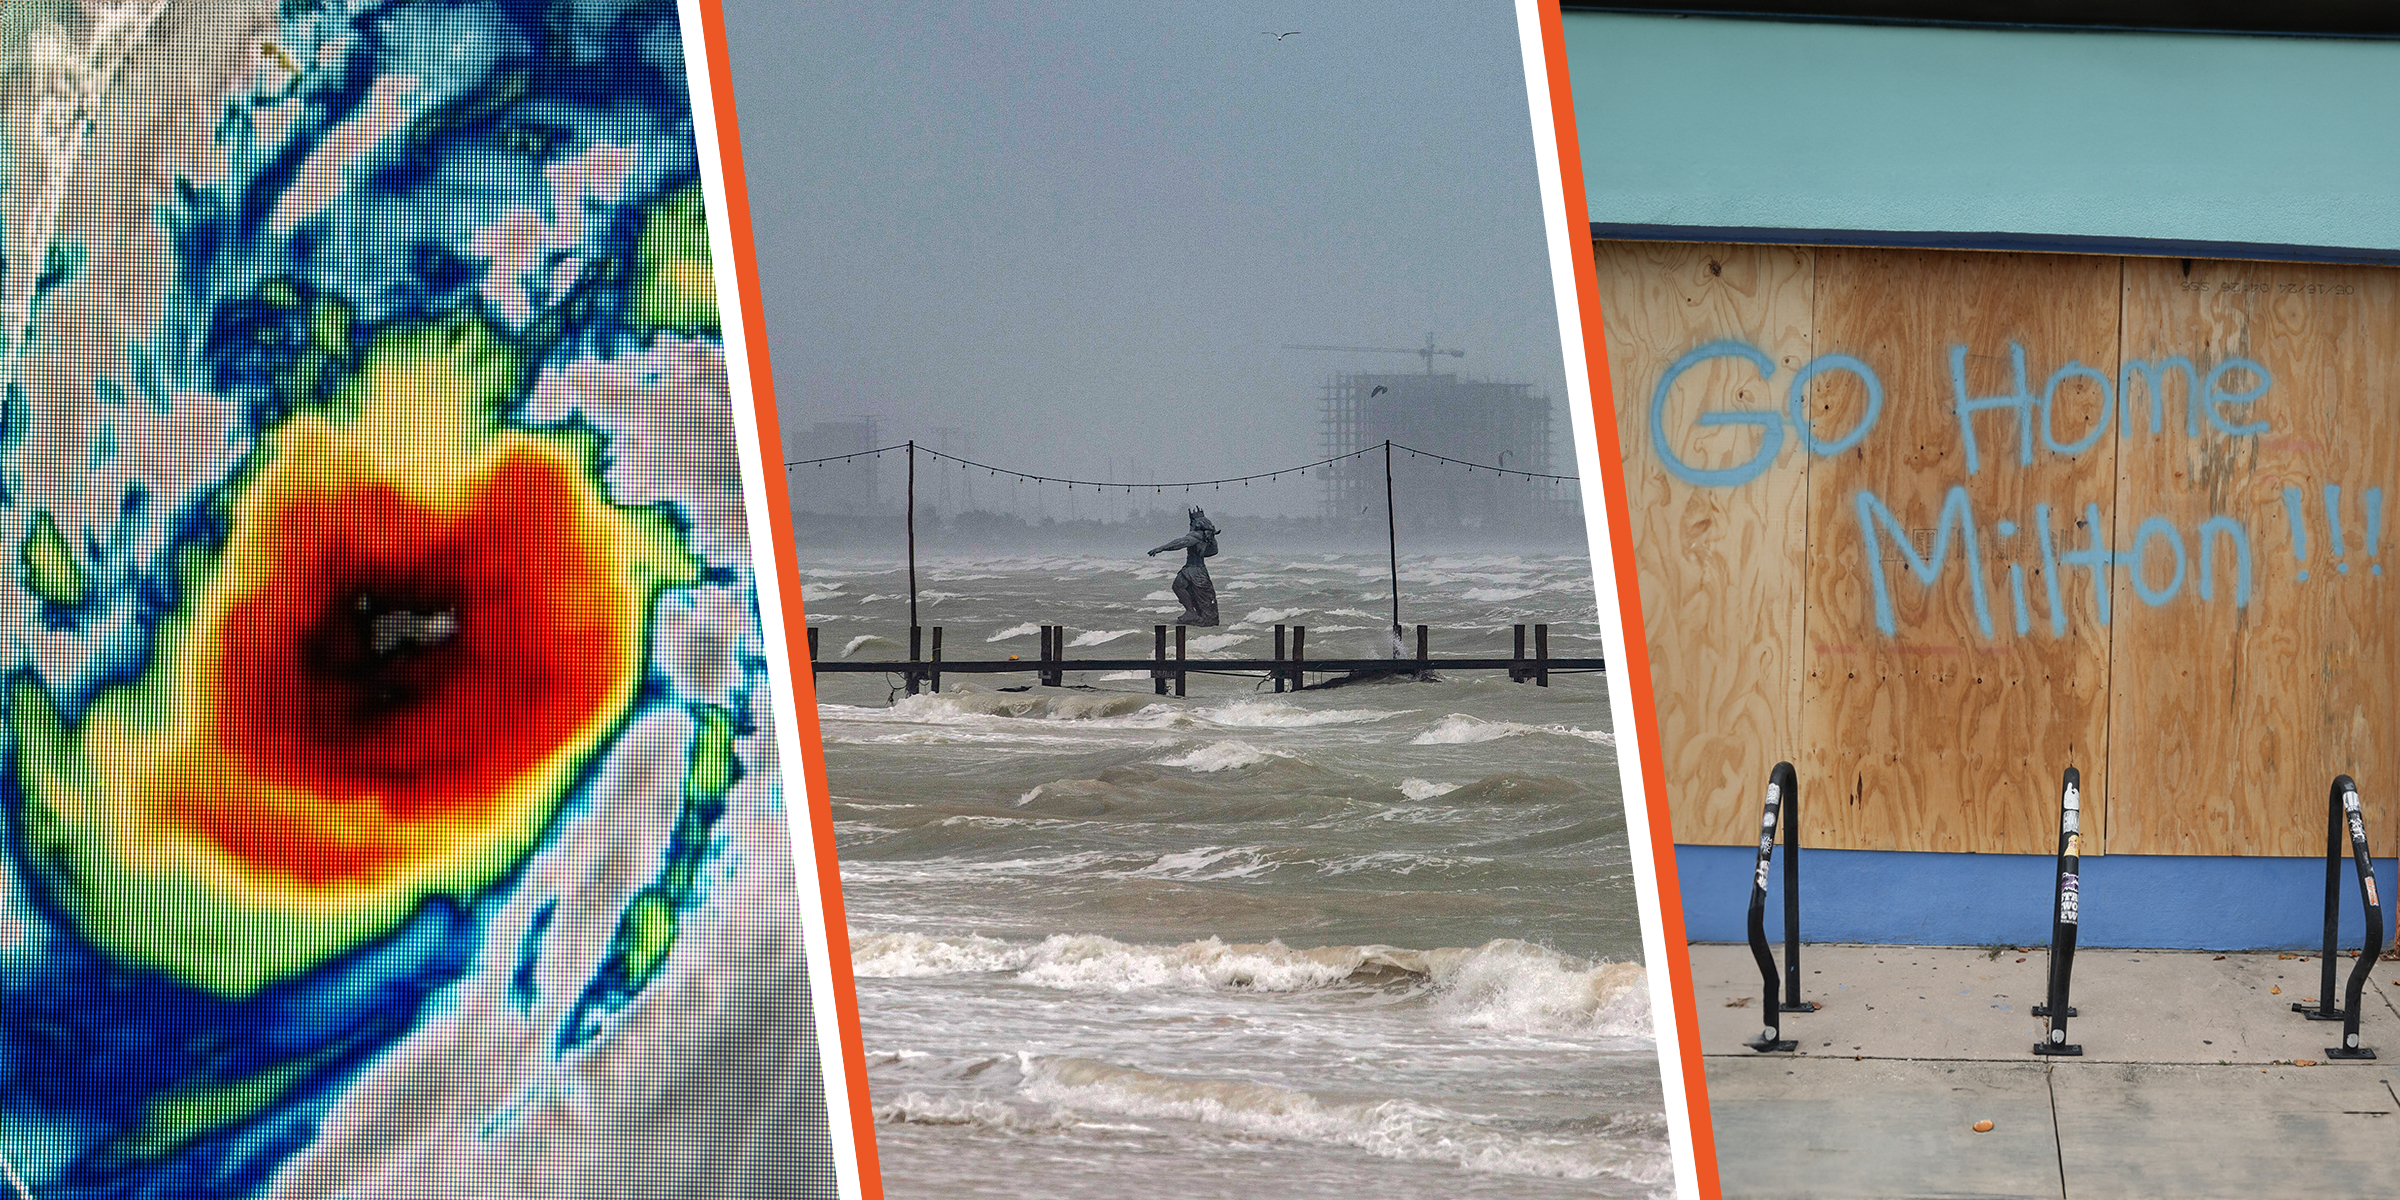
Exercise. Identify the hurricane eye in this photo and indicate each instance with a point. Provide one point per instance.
(403, 628)
(396, 624)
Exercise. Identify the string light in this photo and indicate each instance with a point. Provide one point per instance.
(1275, 476)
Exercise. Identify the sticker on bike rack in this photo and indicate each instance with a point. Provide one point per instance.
(2070, 889)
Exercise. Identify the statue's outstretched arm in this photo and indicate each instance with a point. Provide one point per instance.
(1185, 542)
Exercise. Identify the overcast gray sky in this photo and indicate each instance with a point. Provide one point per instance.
(1084, 230)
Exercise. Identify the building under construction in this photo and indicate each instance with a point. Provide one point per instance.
(1485, 424)
(849, 488)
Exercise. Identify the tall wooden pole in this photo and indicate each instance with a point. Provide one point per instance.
(912, 533)
(1393, 531)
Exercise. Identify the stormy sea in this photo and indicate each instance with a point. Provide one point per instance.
(1114, 944)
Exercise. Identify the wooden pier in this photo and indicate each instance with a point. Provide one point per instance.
(1289, 669)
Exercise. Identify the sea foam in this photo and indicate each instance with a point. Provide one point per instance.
(1507, 985)
(1460, 729)
(1399, 1129)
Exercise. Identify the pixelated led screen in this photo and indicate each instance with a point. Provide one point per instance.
(392, 800)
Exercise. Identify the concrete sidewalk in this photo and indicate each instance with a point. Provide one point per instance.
(2197, 1079)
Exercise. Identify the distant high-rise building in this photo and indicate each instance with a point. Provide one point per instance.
(848, 488)
(1487, 424)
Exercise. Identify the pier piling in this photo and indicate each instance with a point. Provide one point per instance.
(925, 665)
(1158, 655)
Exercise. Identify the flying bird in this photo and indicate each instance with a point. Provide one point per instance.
(1277, 36)
(1379, 390)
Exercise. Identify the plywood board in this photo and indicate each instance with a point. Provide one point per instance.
(1721, 565)
(2205, 720)
(2234, 713)
(1939, 715)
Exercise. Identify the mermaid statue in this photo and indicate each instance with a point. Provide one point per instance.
(1192, 585)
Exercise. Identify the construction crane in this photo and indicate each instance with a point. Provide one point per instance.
(1428, 351)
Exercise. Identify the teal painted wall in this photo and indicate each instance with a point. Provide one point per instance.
(2110, 135)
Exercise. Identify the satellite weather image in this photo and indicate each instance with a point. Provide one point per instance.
(391, 800)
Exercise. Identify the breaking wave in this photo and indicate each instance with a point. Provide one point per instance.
(1507, 985)
(1461, 729)
(1219, 756)
(1404, 1130)
(865, 640)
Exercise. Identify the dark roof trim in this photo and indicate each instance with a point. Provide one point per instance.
(2033, 243)
(2292, 18)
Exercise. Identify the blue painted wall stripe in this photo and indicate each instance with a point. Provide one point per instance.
(2179, 138)
(2129, 900)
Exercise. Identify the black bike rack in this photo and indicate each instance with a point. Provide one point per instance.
(2342, 810)
(1783, 802)
(2068, 891)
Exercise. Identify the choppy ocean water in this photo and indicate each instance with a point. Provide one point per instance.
(1114, 944)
